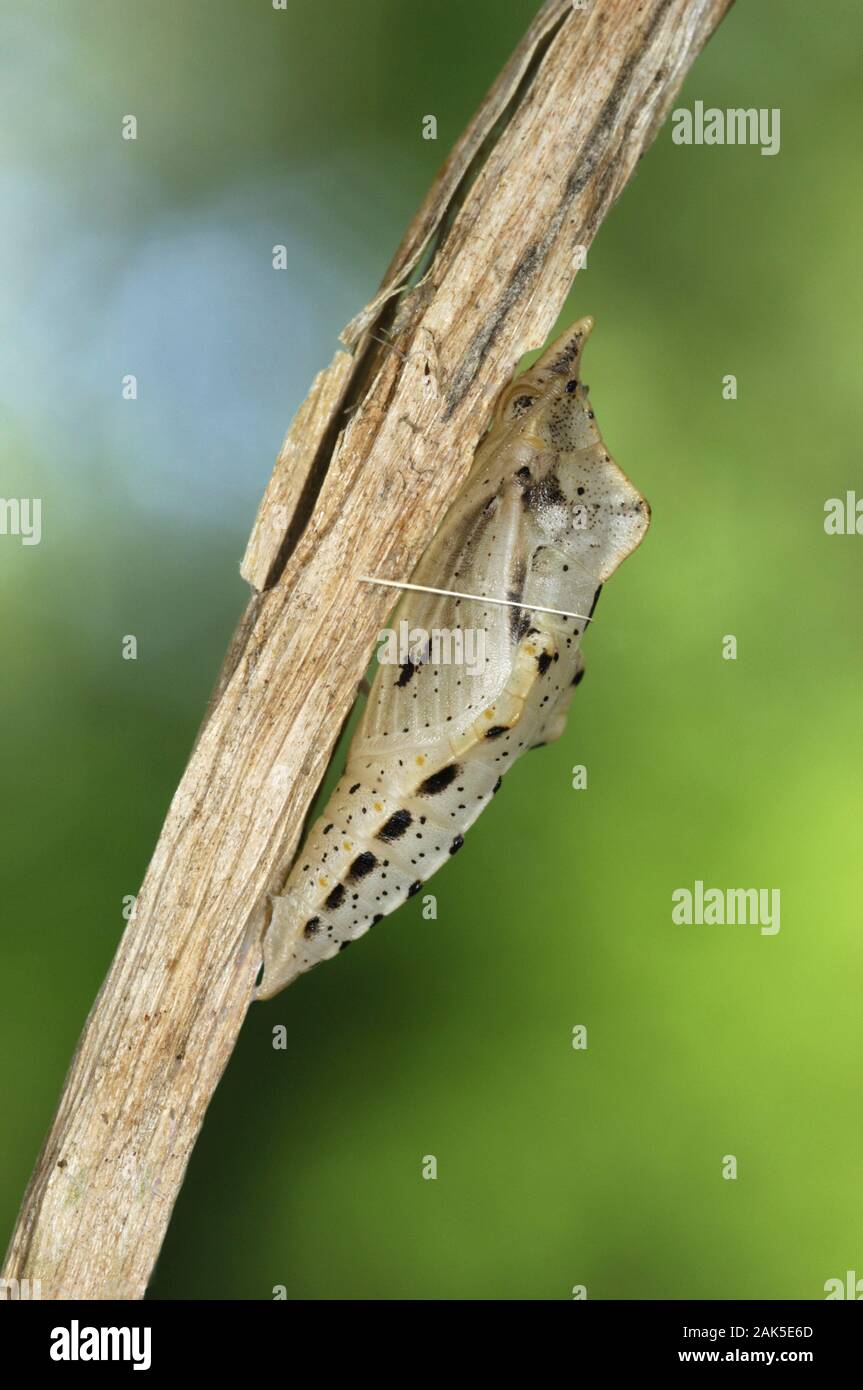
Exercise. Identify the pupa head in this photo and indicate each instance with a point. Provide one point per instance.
(548, 403)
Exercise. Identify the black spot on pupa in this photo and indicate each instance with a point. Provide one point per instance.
(395, 827)
(312, 928)
(327, 829)
(496, 730)
(497, 786)
(578, 677)
(456, 844)
(415, 888)
(362, 865)
(595, 601)
(378, 917)
(336, 897)
(571, 386)
(439, 781)
(547, 492)
(343, 946)
(543, 661)
(354, 788)
(406, 672)
(521, 405)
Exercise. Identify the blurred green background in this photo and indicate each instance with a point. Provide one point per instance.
(556, 1167)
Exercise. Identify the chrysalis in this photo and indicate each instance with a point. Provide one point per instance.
(544, 518)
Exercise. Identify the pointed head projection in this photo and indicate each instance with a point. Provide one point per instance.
(549, 400)
(579, 499)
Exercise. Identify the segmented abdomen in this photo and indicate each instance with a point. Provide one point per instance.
(394, 819)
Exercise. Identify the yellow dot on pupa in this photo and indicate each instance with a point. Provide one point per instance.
(346, 845)
(421, 757)
(378, 806)
(322, 882)
(489, 714)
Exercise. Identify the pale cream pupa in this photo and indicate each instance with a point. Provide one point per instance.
(544, 518)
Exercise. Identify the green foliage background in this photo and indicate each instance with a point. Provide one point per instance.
(452, 1037)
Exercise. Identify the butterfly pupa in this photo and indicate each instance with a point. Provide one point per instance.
(542, 521)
